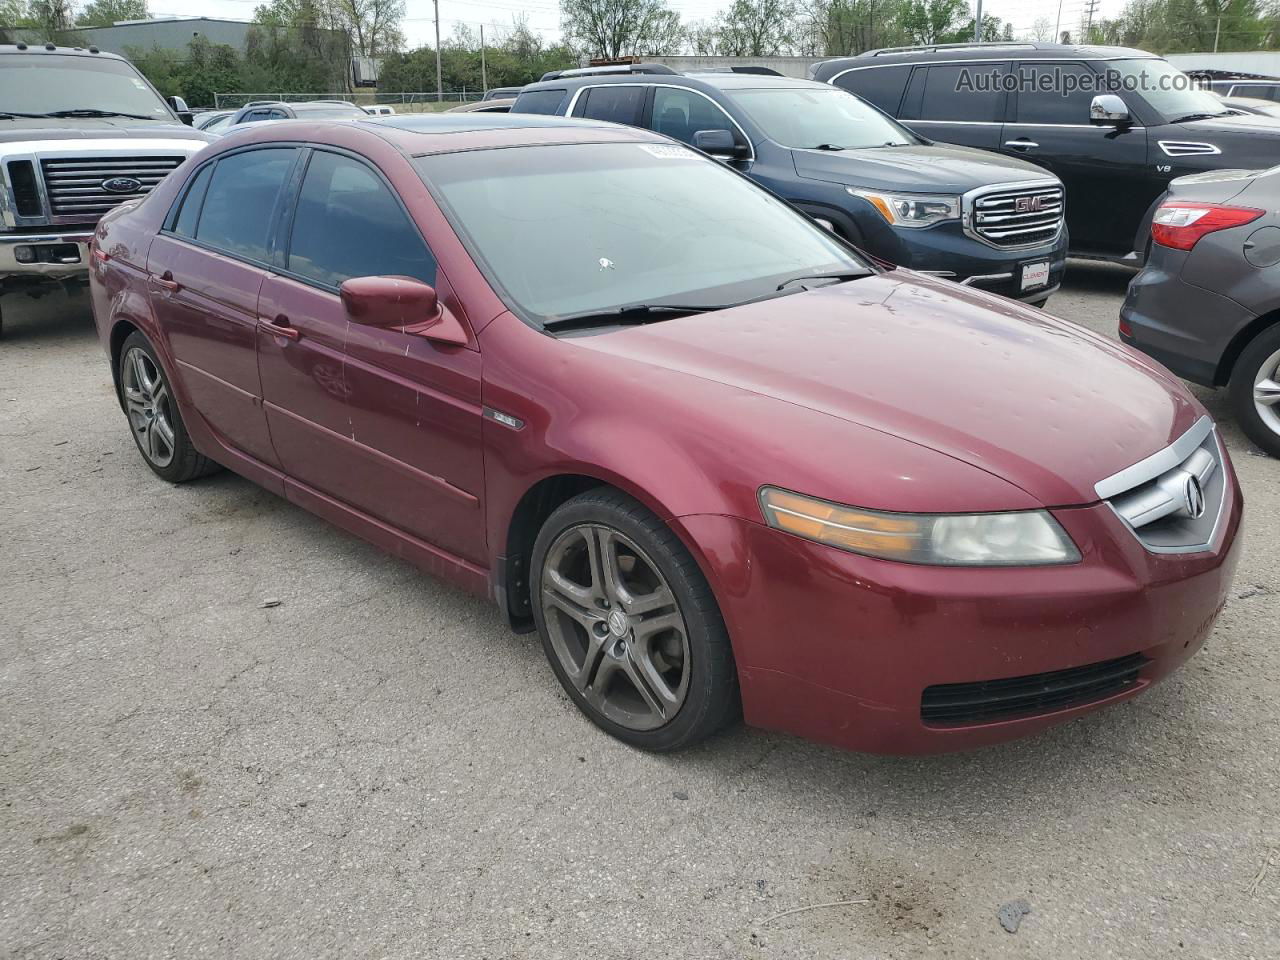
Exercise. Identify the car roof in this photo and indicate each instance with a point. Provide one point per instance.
(49, 49)
(419, 134)
(1011, 50)
(694, 80)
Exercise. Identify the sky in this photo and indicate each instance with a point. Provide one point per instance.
(544, 16)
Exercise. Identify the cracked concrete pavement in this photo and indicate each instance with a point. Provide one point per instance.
(377, 768)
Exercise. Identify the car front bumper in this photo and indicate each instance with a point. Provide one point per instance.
(54, 256)
(841, 648)
(946, 250)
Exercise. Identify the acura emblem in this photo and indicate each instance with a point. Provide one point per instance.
(1193, 497)
(122, 185)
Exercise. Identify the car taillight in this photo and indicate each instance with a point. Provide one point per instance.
(1180, 225)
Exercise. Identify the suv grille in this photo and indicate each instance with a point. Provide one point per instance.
(76, 185)
(1019, 217)
(26, 192)
(1172, 500)
(987, 701)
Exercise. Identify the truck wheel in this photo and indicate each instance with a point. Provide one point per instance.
(1254, 390)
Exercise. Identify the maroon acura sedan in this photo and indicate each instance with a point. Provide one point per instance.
(718, 459)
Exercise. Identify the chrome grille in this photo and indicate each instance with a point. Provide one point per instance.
(1017, 217)
(1172, 500)
(74, 185)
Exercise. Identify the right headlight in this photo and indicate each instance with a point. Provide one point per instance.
(1022, 538)
(910, 209)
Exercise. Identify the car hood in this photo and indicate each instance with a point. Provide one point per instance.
(1037, 401)
(106, 128)
(933, 168)
(1247, 124)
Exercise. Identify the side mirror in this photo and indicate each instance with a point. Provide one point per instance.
(1108, 108)
(720, 144)
(179, 106)
(400, 303)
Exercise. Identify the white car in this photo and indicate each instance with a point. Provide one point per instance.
(380, 110)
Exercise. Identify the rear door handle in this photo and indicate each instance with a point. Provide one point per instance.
(166, 281)
(279, 327)
(1021, 144)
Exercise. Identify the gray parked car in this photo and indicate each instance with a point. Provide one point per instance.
(1207, 303)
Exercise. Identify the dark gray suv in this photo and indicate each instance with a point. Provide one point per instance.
(1207, 304)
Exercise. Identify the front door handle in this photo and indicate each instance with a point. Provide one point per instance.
(279, 327)
(1022, 143)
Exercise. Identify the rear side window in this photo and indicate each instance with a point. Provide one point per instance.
(1261, 91)
(882, 86)
(349, 224)
(240, 204)
(956, 93)
(540, 101)
(619, 103)
(189, 215)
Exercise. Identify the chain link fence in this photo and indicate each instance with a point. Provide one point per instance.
(401, 102)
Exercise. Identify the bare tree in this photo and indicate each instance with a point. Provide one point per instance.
(756, 28)
(617, 28)
(1042, 29)
(373, 25)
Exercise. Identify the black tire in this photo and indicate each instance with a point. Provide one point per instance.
(1261, 350)
(184, 461)
(711, 697)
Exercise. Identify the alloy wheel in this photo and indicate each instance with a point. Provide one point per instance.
(615, 626)
(149, 405)
(1266, 392)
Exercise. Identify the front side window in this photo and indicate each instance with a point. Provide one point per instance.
(568, 229)
(240, 204)
(882, 86)
(47, 84)
(1168, 90)
(682, 113)
(1055, 93)
(615, 104)
(349, 224)
(809, 117)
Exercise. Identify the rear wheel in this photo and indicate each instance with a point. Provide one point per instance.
(1255, 390)
(154, 418)
(629, 624)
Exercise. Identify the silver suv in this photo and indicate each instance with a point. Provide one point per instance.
(81, 132)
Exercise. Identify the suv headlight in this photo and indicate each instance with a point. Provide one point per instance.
(1024, 538)
(911, 209)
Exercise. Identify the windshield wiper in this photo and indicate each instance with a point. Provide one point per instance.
(1201, 116)
(88, 112)
(839, 276)
(14, 114)
(635, 313)
(827, 146)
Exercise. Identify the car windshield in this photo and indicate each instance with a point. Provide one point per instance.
(811, 117)
(572, 230)
(48, 83)
(1168, 90)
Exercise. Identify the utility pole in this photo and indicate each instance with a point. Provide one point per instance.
(1090, 7)
(484, 76)
(1217, 32)
(439, 81)
(1057, 26)
(977, 24)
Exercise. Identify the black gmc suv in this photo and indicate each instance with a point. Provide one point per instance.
(1116, 125)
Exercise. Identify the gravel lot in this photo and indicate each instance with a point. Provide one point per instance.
(377, 768)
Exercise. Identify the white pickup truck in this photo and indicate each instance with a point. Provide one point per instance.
(81, 132)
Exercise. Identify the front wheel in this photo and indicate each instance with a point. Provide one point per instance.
(629, 624)
(154, 418)
(1255, 390)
